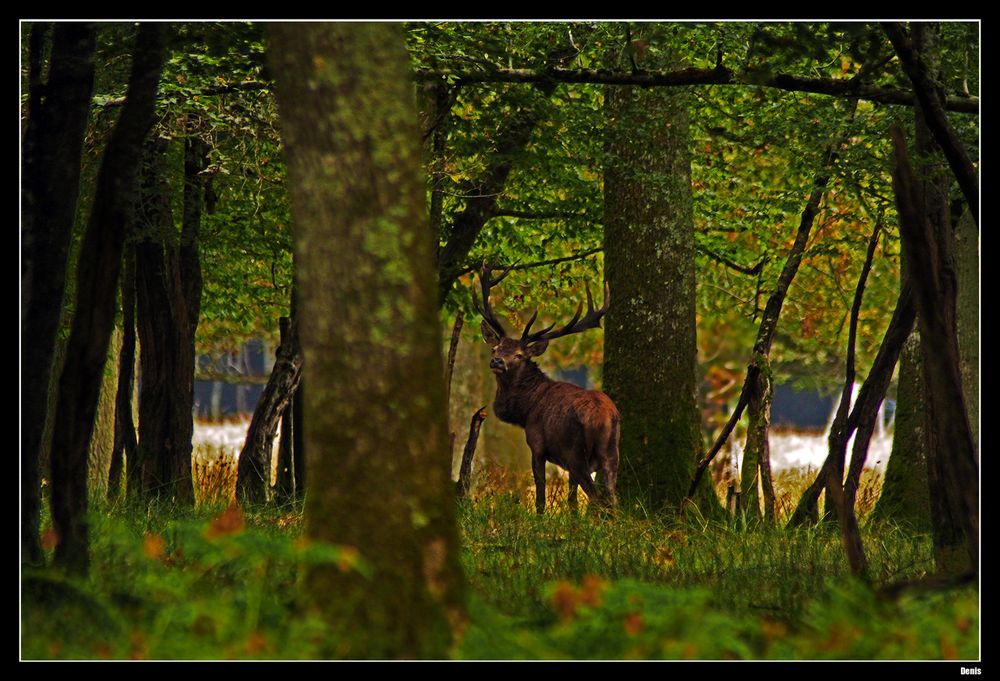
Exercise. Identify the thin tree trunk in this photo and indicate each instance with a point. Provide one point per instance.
(456, 334)
(102, 441)
(97, 279)
(284, 488)
(53, 142)
(125, 437)
(757, 453)
(254, 468)
(869, 398)
(299, 440)
(752, 385)
(464, 484)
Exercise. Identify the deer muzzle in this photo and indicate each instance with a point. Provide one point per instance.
(497, 365)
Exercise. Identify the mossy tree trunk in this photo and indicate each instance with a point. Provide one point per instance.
(374, 424)
(650, 347)
(905, 497)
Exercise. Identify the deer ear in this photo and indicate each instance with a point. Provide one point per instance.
(489, 335)
(535, 349)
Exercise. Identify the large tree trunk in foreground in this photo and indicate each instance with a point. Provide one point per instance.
(375, 423)
(97, 279)
(51, 153)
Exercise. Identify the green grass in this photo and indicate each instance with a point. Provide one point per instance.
(211, 583)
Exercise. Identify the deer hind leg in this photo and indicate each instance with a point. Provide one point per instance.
(578, 474)
(571, 496)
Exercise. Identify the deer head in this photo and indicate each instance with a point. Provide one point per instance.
(510, 353)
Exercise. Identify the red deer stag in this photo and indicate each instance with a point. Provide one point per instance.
(574, 428)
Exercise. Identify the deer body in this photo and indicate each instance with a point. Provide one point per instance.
(569, 426)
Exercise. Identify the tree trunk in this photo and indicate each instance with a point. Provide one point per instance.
(102, 442)
(967, 271)
(299, 440)
(905, 497)
(757, 454)
(284, 486)
(650, 348)
(464, 484)
(952, 470)
(53, 142)
(253, 476)
(97, 279)
(928, 245)
(379, 469)
(168, 292)
(125, 437)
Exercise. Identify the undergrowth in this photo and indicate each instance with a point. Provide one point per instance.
(215, 583)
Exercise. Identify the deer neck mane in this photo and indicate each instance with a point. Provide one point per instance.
(519, 392)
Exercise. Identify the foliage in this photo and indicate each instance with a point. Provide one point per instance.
(628, 619)
(217, 584)
(166, 585)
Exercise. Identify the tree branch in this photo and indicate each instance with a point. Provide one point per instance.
(934, 113)
(719, 75)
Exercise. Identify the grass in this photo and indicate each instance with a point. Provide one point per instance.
(215, 583)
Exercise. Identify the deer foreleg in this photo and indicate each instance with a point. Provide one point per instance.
(538, 471)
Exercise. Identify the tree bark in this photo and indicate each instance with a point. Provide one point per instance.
(834, 87)
(464, 484)
(905, 497)
(650, 350)
(757, 453)
(922, 74)
(254, 468)
(51, 153)
(97, 279)
(375, 424)
(284, 486)
(168, 302)
(952, 469)
(125, 442)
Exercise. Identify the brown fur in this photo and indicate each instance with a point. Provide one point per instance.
(570, 426)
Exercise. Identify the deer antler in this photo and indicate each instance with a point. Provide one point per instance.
(591, 320)
(487, 281)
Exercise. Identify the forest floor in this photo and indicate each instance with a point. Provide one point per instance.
(217, 583)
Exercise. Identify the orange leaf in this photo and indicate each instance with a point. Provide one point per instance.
(153, 546)
(226, 523)
(633, 623)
